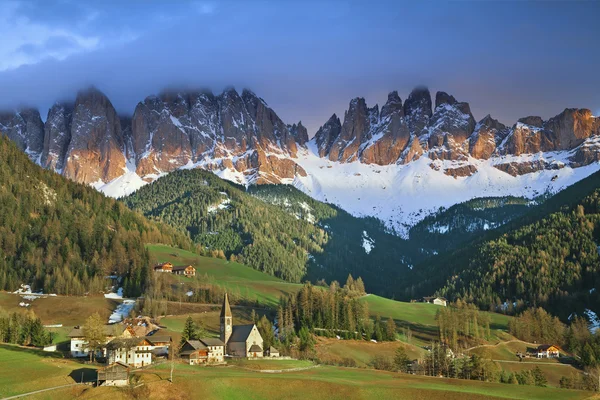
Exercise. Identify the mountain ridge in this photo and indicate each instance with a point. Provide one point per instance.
(239, 137)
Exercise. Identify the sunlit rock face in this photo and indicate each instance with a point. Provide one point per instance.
(241, 137)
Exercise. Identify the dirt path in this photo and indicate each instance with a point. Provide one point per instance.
(498, 344)
(532, 362)
(39, 391)
(280, 371)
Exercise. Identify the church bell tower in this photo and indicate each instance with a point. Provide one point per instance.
(226, 320)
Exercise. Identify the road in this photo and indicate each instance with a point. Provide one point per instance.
(39, 391)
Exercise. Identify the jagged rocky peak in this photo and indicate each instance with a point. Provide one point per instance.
(393, 105)
(25, 128)
(96, 149)
(532, 121)
(571, 127)
(488, 134)
(417, 108)
(299, 132)
(444, 98)
(228, 131)
(355, 129)
(449, 128)
(327, 134)
(57, 135)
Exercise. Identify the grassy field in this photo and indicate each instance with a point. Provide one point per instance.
(505, 356)
(333, 350)
(25, 370)
(66, 310)
(250, 283)
(420, 318)
(317, 383)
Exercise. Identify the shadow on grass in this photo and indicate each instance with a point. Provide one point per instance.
(84, 375)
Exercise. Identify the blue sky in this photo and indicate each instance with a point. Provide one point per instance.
(307, 59)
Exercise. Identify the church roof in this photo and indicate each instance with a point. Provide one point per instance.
(225, 310)
(240, 333)
(212, 342)
(255, 348)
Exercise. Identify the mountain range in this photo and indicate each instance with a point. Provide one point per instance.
(399, 163)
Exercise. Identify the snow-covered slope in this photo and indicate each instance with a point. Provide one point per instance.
(402, 195)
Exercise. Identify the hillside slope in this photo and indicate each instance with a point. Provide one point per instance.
(64, 237)
(549, 258)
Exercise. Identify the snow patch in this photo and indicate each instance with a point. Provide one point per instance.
(367, 243)
(122, 311)
(594, 320)
(118, 295)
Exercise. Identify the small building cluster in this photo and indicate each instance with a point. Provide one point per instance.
(137, 343)
(132, 344)
(439, 301)
(547, 351)
(235, 341)
(168, 268)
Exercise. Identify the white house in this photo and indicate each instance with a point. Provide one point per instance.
(79, 345)
(439, 301)
(136, 352)
(547, 351)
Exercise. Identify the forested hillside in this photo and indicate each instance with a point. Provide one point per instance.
(231, 223)
(551, 262)
(64, 237)
(465, 222)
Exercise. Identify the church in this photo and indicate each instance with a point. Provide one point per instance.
(240, 340)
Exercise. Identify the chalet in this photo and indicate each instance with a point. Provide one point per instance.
(188, 271)
(439, 301)
(79, 345)
(547, 351)
(164, 267)
(240, 340)
(162, 344)
(136, 352)
(272, 352)
(115, 374)
(203, 351)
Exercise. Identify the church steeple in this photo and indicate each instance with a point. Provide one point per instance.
(226, 320)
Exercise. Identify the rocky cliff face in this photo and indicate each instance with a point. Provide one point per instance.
(242, 138)
(26, 129)
(225, 132)
(96, 150)
(402, 134)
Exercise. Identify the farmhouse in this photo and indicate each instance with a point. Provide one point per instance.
(547, 351)
(188, 271)
(164, 267)
(203, 351)
(136, 352)
(162, 344)
(115, 374)
(240, 340)
(78, 343)
(440, 301)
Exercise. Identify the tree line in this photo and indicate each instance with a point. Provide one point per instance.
(65, 237)
(330, 311)
(24, 329)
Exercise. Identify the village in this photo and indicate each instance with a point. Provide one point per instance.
(138, 343)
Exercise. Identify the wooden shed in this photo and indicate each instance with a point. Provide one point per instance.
(115, 374)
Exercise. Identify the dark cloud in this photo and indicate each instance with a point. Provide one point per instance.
(308, 59)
